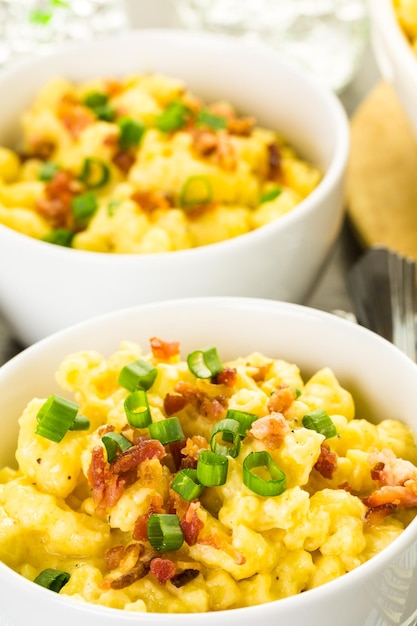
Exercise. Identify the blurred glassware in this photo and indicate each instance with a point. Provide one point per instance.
(328, 37)
(28, 26)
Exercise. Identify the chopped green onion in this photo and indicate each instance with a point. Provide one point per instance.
(84, 207)
(186, 484)
(204, 363)
(212, 468)
(173, 117)
(270, 195)
(137, 409)
(112, 206)
(297, 392)
(167, 431)
(81, 422)
(113, 442)
(225, 432)
(164, 531)
(48, 170)
(98, 103)
(95, 173)
(245, 420)
(207, 118)
(131, 132)
(196, 191)
(319, 421)
(52, 579)
(137, 375)
(60, 237)
(55, 418)
(37, 16)
(272, 487)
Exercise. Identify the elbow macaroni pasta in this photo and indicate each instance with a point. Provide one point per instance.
(141, 175)
(58, 510)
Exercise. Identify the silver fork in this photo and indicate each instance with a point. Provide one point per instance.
(383, 290)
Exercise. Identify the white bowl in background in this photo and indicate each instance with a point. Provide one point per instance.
(49, 287)
(394, 55)
(382, 380)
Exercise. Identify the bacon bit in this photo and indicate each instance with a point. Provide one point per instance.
(133, 456)
(151, 200)
(41, 148)
(113, 557)
(282, 398)
(270, 429)
(107, 487)
(140, 532)
(375, 515)
(114, 87)
(194, 445)
(133, 564)
(174, 403)
(403, 496)
(390, 470)
(207, 142)
(274, 161)
(56, 205)
(226, 152)
(163, 569)
(260, 374)
(181, 579)
(204, 141)
(345, 486)
(191, 394)
(124, 160)
(74, 116)
(326, 464)
(214, 409)
(220, 544)
(227, 376)
(191, 524)
(164, 350)
(175, 450)
(242, 126)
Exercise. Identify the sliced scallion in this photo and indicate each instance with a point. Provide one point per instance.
(52, 579)
(225, 438)
(95, 173)
(270, 195)
(131, 132)
(245, 420)
(187, 485)
(99, 103)
(167, 431)
(113, 442)
(204, 363)
(263, 487)
(60, 237)
(48, 170)
(212, 120)
(319, 421)
(81, 422)
(137, 375)
(164, 531)
(173, 117)
(137, 409)
(196, 191)
(212, 468)
(84, 207)
(55, 418)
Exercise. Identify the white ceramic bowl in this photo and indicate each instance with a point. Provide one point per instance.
(49, 287)
(395, 58)
(379, 376)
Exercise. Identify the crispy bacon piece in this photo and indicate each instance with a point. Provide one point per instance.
(270, 429)
(107, 487)
(41, 148)
(163, 569)
(282, 398)
(194, 445)
(74, 116)
(124, 160)
(217, 144)
(326, 464)
(133, 456)
(56, 205)
(226, 153)
(164, 350)
(228, 377)
(190, 523)
(242, 126)
(127, 565)
(376, 514)
(387, 469)
(403, 496)
(214, 408)
(345, 486)
(182, 578)
(204, 141)
(113, 87)
(174, 403)
(140, 529)
(260, 373)
(151, 200)
(274, 161)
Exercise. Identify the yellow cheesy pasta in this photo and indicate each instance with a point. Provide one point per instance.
(164, 483)
(142, 165)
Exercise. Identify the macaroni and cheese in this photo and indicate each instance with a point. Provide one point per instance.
(171, 484)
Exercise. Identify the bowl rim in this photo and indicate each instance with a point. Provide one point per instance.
(333, 174)
(364, 572)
